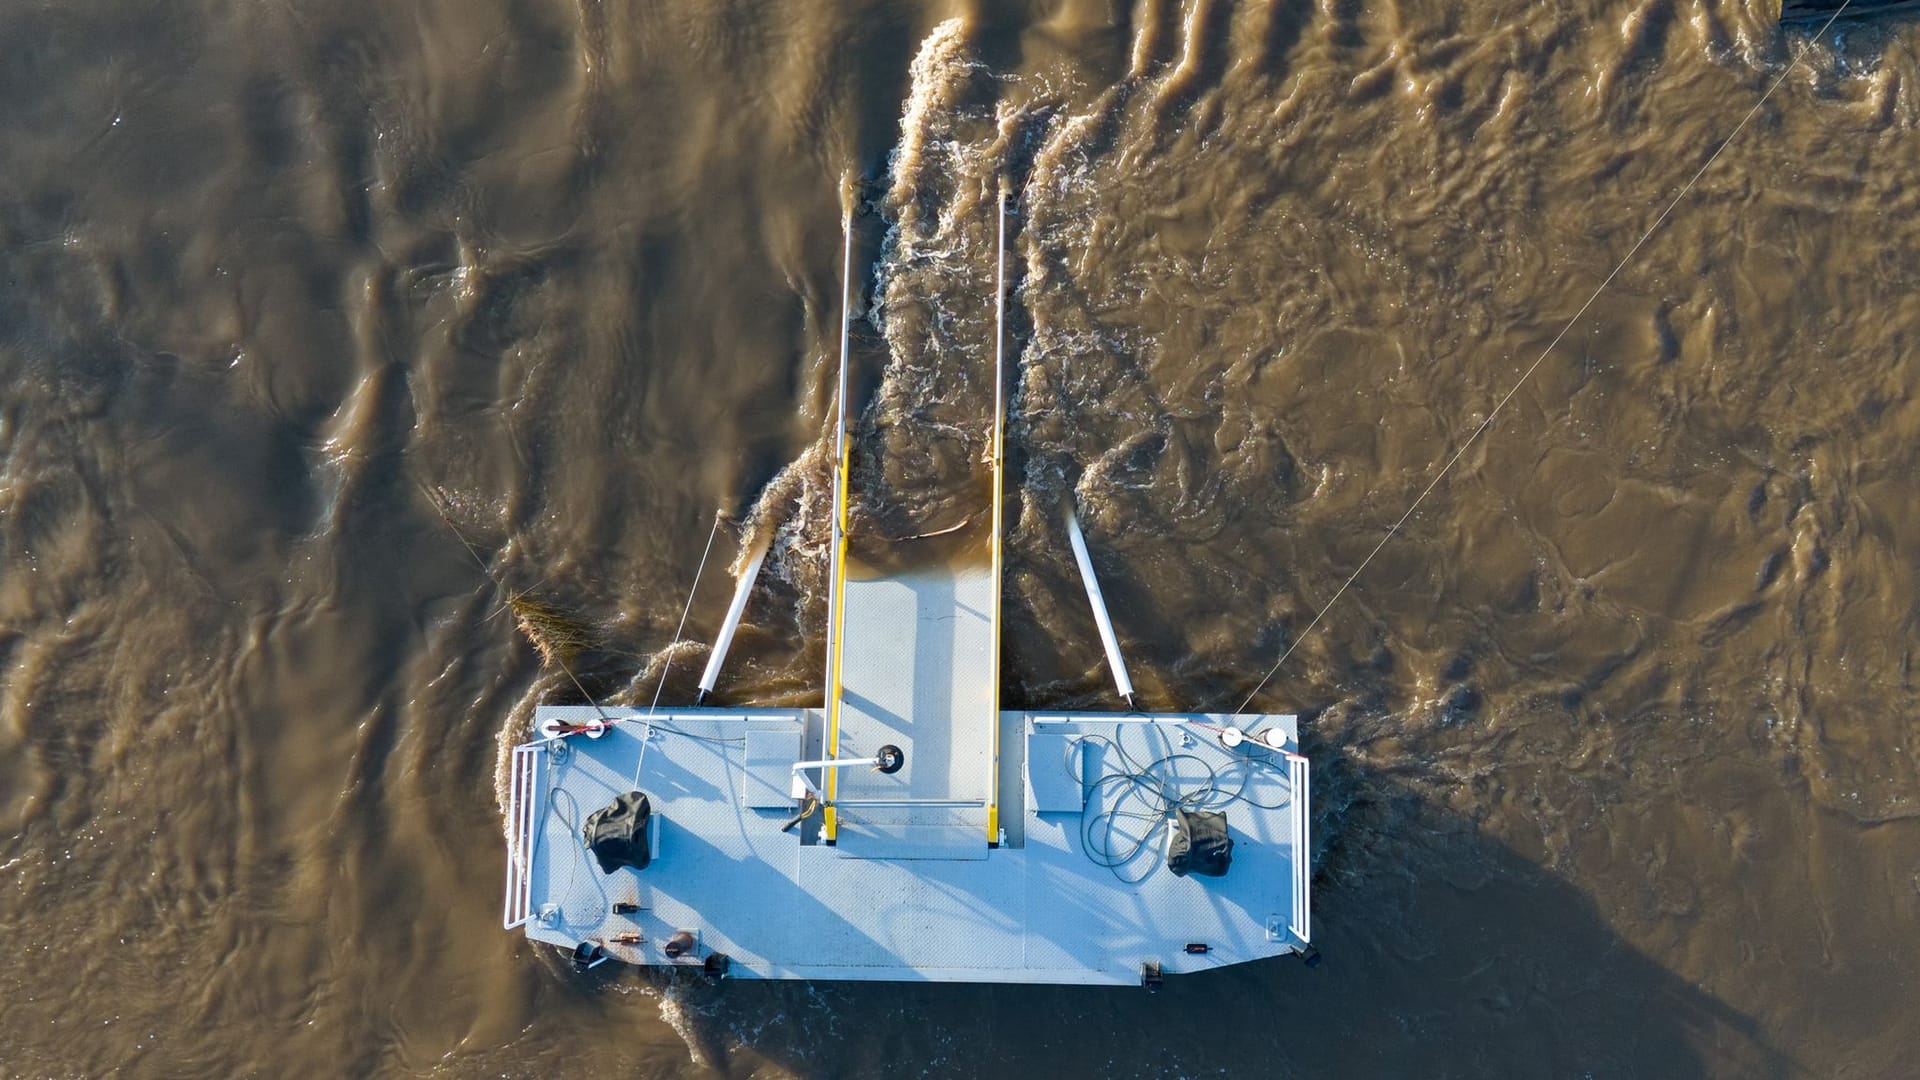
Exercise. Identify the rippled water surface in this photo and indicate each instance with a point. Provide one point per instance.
(1616, 748)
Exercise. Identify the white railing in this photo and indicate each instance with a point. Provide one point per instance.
(523, 818)
(1301, 925)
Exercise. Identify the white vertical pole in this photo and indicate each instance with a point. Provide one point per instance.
(999, 498)
(739, 606)
(836, 598)
(1100, 619)
(839, 447)
(1000, 338)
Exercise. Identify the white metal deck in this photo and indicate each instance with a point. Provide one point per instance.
(779, 907)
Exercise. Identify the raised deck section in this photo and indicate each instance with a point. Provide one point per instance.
(1046, 911)
(917, 673)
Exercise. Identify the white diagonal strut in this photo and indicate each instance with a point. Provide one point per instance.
(738, 608)
(1099, 603)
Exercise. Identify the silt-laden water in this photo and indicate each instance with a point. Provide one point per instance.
(1617, 764)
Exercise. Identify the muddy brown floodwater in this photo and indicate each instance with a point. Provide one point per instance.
(1616, 750)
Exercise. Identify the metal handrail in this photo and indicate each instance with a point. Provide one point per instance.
(1301, 923)
(523, 799)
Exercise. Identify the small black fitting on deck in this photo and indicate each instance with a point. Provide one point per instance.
(588, 954)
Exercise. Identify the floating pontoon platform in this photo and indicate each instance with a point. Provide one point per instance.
(911, 829)
(907, 881)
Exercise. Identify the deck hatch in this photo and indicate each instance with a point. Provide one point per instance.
(1056, 776)
(770, 754)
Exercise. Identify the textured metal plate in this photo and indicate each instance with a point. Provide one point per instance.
(959, 838)
(1055, 777)
(771, 750)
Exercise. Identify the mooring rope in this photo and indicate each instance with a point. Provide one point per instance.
(558, 660)
(666, 665)
(1525, 375)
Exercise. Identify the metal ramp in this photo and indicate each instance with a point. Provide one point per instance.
(916, 673)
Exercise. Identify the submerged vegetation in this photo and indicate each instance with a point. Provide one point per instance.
(557, 636)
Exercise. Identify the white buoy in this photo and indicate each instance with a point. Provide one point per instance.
(739, 606)
(1099, 602)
